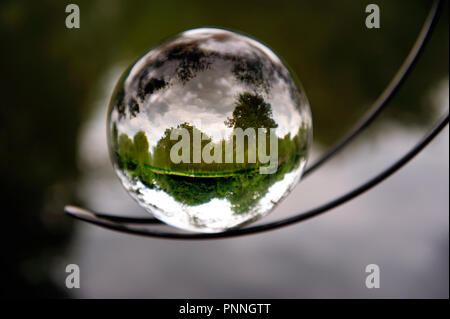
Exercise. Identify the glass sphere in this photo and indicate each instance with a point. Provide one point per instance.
(208, 131)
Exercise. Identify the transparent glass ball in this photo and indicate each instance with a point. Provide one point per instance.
(209, 130)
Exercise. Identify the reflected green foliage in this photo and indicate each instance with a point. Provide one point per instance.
(133, 152)
(251, 111)
(242, 188)
(198, 183)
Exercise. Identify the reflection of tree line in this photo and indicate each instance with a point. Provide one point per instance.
(240, 183)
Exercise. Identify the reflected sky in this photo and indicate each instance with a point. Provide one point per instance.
(226, 60)
(213, 81)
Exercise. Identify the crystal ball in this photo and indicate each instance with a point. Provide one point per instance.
(209, 130)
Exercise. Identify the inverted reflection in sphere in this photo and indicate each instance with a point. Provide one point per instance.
(208, 131)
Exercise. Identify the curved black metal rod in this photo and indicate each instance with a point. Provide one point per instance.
(129, 220)
(114, 222)
(380, 103)
(388, 93)
(92, 218)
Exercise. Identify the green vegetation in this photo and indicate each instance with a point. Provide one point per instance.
(251, 111)
(198, 183)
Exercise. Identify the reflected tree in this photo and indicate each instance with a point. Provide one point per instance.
(251, 111)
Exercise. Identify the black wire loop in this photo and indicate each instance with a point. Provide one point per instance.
(389, 92)
(125, 224)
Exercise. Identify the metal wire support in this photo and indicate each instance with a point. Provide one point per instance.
(389, 92)
(128, 224)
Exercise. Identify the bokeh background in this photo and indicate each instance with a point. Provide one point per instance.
(55, 87)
